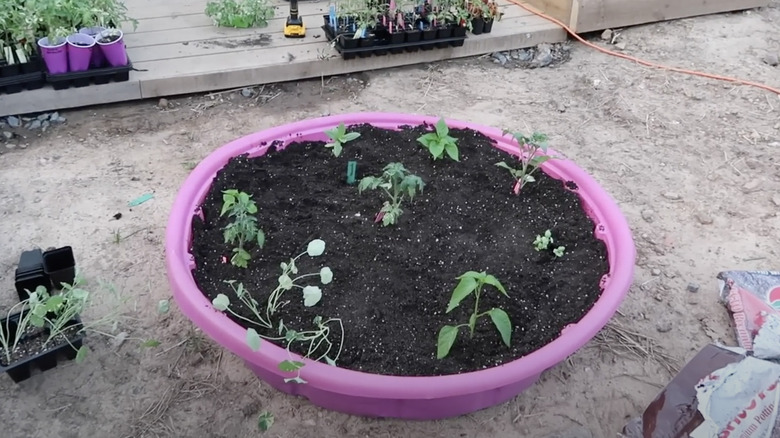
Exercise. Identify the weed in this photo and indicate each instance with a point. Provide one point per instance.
(439, 142)
(243, 229)
(473, 282)
(397, 183)
(338, 137)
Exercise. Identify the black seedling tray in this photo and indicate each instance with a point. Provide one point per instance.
(45, 360)
(384, 48)
(27, 76)
(85, 78)
(60, 266)
(30, 273)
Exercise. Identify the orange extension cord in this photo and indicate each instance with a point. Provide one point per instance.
(643, 62)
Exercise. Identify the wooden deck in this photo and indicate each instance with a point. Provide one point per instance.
(179, 51)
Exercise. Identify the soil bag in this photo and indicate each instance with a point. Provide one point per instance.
(750, 297)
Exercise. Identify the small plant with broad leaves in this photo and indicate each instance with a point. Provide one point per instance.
(338, 137)
(470, 283)
(319, 344)
(542, 243)
(264, 421)
(440, 142)
(240, 14)
(243, 229)
(397, 183)
(530, 159)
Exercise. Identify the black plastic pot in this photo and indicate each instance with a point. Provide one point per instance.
(488, 25)
(17, 77)
(428, 34)
(45, 360)
(30, 274)
(441, 33)
(98, 76)
(60, 265)
(366, 42)
(459, 32)
(477, 26)
(397, 38)
(348, 42)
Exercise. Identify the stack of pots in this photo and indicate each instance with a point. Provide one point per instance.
(91, 47)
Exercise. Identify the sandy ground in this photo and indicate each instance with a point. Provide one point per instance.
(693, 163)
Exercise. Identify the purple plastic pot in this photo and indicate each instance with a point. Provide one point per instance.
(115, 51)
(54, 55)
(360, 393)
(98, 59)
(80, 47)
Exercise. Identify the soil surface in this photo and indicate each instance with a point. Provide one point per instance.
(392, 284)
(692, 162)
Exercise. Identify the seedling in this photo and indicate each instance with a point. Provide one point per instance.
(243, 229)
(473, 282)
(317, 339)
(530, 160)
(543, 242)
(240, 14)
(339, 136)
(439, 142)
(397, 183)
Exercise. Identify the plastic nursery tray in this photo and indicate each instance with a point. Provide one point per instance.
(30, 78)
(30, 273)
(383, 47)
(46, 360)
(85, 78)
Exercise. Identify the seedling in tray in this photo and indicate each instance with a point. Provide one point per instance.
(243, 229)
(338, 137)
(397, 183)
(473, 282)
(440, 141)
(530, 160)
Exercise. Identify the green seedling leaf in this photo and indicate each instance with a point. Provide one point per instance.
(452, 151)
(447, 336)
(163, 306)
(493, 281)
(316, 248)
(264, 421)
(441, 128)
(559, 251)
(81, 354)
(260, 238)
(290, 366)
(285, 282)
(151, 343)
(502, 323)
(311, 295)
(54, 303)
(221, 302)
(252, 339)
(465, 287)
(350, 136)
(326, 275)
(436, 148)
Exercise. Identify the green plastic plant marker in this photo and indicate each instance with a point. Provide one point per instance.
(140, 200)
(351, 172)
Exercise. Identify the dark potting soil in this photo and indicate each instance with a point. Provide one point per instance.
(108, 39)
(391, 285)
(31, 343)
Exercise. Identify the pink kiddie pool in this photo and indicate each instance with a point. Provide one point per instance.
(360, 393)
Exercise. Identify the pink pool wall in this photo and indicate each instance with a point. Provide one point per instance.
(421, 398)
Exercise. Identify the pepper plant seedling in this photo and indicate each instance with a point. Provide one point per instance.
(397, 183)
(243, 229)
(530, 160)
(440, 141)
(543, 242)
(473, 282)
(339, 136)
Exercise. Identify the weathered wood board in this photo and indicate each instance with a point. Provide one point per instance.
(177, 50)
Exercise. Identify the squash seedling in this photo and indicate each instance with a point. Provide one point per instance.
(543, 242)
(243, 229)
(338, 137)
(473, 282)
(440, 141)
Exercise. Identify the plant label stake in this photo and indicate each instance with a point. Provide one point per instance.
(351, 172)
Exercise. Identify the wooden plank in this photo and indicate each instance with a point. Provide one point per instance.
(47, 99)
(216, 36)
(226, 70)
(200, 21)
(594, 15)
(558, 9)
